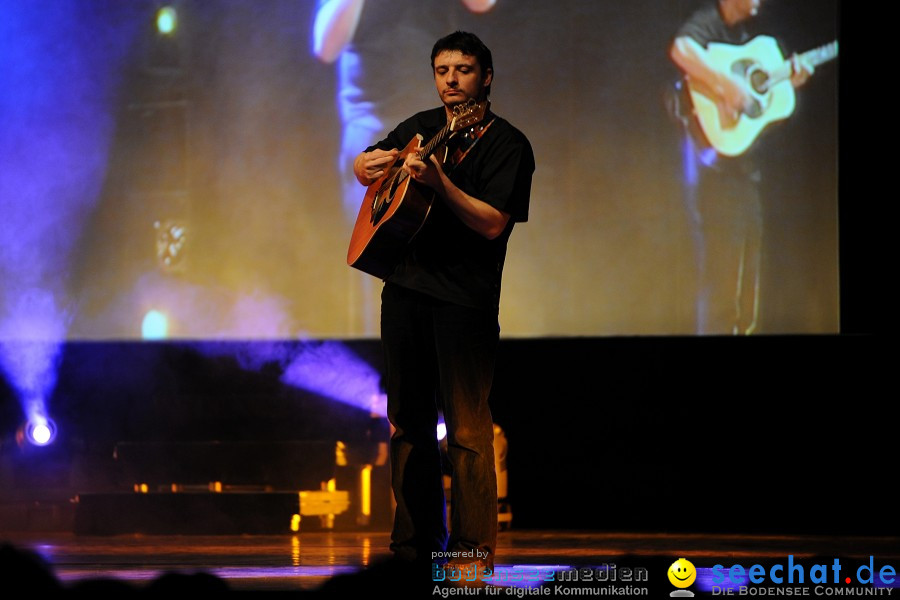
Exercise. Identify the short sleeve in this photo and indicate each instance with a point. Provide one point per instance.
(507, 176)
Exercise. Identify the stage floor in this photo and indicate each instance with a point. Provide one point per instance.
(304, 562)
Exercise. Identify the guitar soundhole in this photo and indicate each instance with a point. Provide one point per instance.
(396, 180)
(757, 80)
(386, 192)
(379, 206)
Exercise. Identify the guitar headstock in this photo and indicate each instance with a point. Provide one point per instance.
(468, 114)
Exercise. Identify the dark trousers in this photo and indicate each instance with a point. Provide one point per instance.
(725, 215)
(440, 357)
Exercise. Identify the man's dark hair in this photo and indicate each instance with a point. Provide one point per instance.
(468, 44)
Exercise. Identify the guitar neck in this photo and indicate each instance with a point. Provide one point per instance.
(822, 54)
(464, 115)
(814, 57)
(437, 140)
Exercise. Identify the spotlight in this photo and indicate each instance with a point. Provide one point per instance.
(164, 51)
(155, 325)
(40, 431)
(166, 20)
(441, 430)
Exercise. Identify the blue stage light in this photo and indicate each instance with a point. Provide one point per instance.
(40, 431)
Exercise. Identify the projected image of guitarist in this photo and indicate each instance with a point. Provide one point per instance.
(444, 190)
(735, 87)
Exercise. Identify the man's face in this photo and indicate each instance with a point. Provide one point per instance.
(458, 78)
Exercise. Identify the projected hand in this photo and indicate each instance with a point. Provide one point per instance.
(736, 96)
(800, 70)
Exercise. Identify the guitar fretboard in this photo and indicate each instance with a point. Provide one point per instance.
(822, 54)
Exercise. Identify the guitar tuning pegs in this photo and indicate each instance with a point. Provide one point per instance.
(460, 109)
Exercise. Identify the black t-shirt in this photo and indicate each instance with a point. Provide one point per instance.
(706, 26)
(447, 259)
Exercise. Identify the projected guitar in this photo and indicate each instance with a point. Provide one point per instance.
(395, 208)
(761, 66)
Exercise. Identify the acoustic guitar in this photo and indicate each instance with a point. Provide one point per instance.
(395, 207)
(766, 73)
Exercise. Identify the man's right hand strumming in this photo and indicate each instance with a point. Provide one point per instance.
(369, 166)
(735, 95)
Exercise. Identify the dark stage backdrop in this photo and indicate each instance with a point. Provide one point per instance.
(197, 174)
(759, 434)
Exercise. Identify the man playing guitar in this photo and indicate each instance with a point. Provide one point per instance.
(439, 311)
(722, 180)
(689, 52)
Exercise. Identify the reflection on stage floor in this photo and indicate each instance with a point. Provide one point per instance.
(305, 562)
